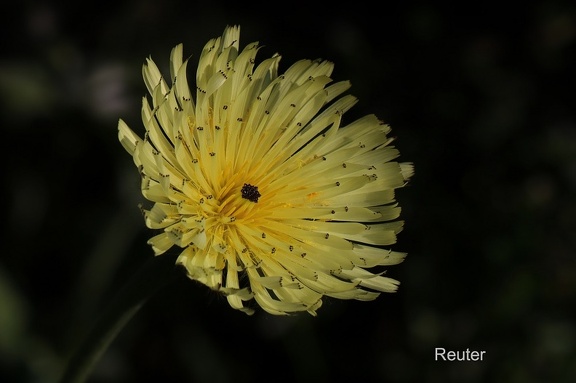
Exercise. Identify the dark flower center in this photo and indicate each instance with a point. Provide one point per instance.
(250, 192)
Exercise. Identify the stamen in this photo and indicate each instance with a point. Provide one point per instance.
(250, 192)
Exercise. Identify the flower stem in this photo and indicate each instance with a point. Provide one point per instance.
(153, 275)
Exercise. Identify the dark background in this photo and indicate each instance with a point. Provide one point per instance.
(480, 98)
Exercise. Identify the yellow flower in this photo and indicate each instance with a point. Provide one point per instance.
(255, 179)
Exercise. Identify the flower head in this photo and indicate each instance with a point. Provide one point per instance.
(254, 177)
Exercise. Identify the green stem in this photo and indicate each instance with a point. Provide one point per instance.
(154, 274)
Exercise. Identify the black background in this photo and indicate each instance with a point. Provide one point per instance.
(480, 98)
